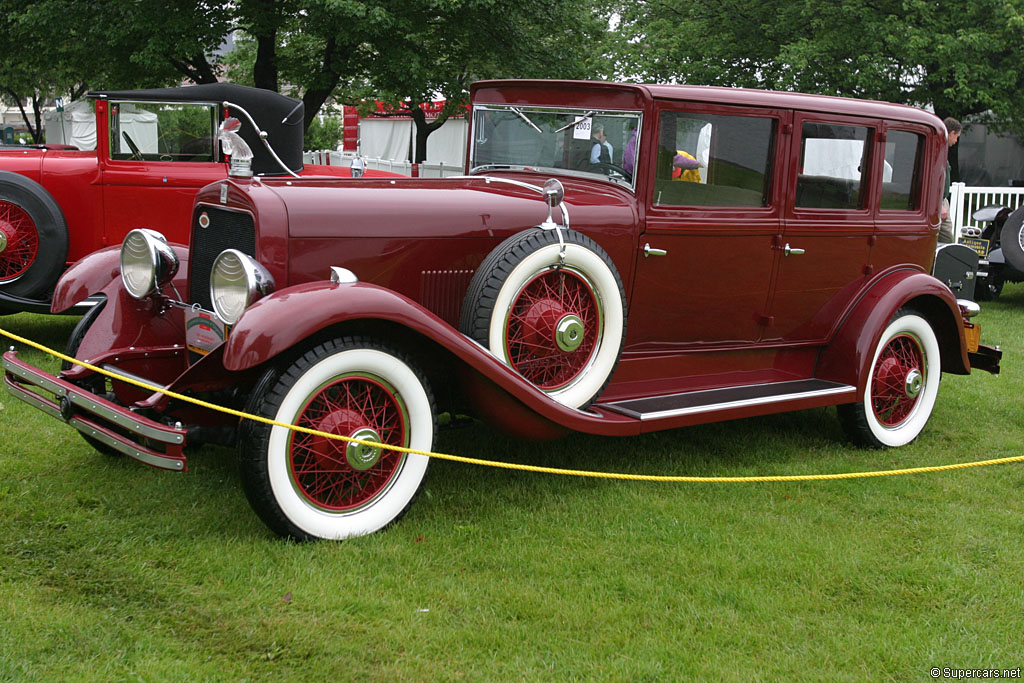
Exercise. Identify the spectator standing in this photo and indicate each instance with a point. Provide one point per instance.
(953, 130)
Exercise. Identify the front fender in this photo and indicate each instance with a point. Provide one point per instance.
(278, 322)
(93, 273)
(287, 317)
(847, 359)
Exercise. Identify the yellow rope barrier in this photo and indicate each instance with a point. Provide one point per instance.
(516, 466)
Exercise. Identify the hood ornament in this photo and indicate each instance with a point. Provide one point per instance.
(235, 147)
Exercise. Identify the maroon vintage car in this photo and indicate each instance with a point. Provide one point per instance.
(618, 259)
(127, 159)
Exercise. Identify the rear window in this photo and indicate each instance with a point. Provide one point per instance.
(901, 173)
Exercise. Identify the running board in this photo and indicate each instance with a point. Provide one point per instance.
(710, 400)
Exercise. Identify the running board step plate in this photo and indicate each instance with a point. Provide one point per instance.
(708, 400)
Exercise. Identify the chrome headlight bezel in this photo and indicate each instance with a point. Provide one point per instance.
(147, 262)
(236, 282)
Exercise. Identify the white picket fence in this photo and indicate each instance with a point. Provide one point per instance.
(964, 201)
(335, 158)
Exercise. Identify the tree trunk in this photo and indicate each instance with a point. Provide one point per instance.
(423, 130)
(264, 70)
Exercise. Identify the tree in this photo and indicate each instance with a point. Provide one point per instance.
(58, 48)
(409, 51)
(437, 49)
(958, 56)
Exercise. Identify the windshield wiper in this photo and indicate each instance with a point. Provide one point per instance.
(588, 115)
(526, 118)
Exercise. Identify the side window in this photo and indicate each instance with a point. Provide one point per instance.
(162, 131)
(834, 161)
(901, 172)
(713, 159)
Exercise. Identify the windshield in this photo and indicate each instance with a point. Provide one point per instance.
(585, 141)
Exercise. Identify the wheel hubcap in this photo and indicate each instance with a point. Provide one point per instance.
(569, 333)
(913, 383)
(898, 381)
(341, 475)
(553, 329)
(19, 241)
(362, 456)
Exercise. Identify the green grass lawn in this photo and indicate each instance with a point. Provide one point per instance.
(110, 570)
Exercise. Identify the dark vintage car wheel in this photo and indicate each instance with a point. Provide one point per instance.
(33, 238)
(1011, 238)
(902, 385)
(558, 324)
(94, 383)
(309, 487)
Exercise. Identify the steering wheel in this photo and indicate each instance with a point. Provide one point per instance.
(136, 152)
(612, 168)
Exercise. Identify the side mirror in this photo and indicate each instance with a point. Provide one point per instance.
(554, 193)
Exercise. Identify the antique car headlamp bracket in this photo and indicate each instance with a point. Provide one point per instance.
(148, 263)
(236, 282)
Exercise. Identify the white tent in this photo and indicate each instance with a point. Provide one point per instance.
(393, 138)
(76, 125)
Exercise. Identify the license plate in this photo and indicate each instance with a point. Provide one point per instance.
(972, 333)
(977, 244)
(203, 331)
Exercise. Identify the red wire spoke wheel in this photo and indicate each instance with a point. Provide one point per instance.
(19, 241)
(552, 309)
(553, 328)
(341, 475)
(311, 487)
(902, 385)
(897, 382)
(33, 238)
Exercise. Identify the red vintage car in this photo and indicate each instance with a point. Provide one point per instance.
(136, 159)
(618, 259)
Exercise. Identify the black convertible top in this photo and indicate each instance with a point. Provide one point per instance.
(280, 116)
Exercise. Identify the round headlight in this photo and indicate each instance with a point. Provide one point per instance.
(147, 262)
(236, 282)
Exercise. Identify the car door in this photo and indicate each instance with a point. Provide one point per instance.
(705, 262)
(158, 154)
(828, 226)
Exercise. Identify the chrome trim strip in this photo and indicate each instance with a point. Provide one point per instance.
(728, 405)
(147, 457)
(32, 398)
(519, 183)
(262, 134)
(113, 368)
(85, 401)
(35, 378)
(136, 426)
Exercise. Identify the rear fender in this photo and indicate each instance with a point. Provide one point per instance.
(847, 359)
(93, 273)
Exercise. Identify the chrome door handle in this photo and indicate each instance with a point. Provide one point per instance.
(651, 251)
(791, 250)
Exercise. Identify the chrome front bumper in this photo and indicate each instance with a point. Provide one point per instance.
(118, 427)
